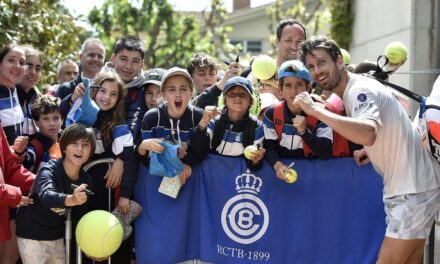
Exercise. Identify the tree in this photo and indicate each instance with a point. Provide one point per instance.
(169, 37)
(342, 22)
(43, 24)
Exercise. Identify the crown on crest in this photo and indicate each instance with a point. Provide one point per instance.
(248, 182)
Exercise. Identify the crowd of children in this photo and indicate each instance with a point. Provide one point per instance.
(136, 112)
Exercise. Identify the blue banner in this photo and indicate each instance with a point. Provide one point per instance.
(226, 214)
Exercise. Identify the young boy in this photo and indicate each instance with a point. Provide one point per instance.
(203, 71)
(127, 61)
(288, 132)
(151, 88)
(175, 120)
(235, 129)
(44, 146)
(40, 226)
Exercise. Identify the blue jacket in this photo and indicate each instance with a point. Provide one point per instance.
(11, 114)
(158, 124)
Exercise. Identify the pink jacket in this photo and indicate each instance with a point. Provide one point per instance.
(14, 179)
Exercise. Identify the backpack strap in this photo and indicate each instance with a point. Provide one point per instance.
(278, 118)
(38, 153)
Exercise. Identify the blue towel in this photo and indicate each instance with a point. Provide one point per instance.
(84, 110)
(166, 163)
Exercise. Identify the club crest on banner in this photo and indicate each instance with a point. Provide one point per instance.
(245, 217)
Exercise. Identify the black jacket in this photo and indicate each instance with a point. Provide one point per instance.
(51, 187)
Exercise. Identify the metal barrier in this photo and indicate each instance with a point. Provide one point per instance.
(68, 235)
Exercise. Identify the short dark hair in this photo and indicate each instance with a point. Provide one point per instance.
(44, 105)
(75, 132)
(319, 42)
(131, 43)
(6, 49)
(289, 22)
(199, 61)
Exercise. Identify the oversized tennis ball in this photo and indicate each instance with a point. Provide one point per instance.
(249, 151)
(264, 67)
(99, 234)
(345, 56)
(291, 176)
(396, 52)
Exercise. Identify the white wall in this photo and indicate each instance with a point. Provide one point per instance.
(412, 22)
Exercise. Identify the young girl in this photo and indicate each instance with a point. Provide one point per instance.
(235, 129)
(40, 226)
(27, 89)
(12, 70)
(114, 140)
(175, 121)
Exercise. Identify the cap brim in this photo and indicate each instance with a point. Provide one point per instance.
(152, 82)
(177, 73)
(241, 85)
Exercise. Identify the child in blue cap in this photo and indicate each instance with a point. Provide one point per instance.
(288, 132)
(235, 128)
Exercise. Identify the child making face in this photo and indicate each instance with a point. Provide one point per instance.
(176, 120)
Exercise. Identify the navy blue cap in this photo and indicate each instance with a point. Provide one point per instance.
(294, 68)
(238, 81)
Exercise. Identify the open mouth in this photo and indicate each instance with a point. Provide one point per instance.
(77, 156)
(178, 105)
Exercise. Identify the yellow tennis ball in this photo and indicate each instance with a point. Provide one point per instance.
(249, 151)
(264, 67)
(345, 56)
(396, 52)
(291, 176)
(99, 234)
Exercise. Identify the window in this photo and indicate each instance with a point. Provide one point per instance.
(253, 46)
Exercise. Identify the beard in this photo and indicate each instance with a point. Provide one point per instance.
(333, 82)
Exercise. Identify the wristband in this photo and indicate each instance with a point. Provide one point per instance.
(19, 153)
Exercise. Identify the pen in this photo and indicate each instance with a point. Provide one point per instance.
(74, 186)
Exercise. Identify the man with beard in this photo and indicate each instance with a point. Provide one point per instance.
(376, 120)
(290, 34)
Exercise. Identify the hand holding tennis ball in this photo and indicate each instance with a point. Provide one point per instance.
(250, 151)
(291, 176)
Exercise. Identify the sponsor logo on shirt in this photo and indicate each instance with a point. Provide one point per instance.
(362, 97)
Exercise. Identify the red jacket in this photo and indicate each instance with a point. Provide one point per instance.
(12, 175)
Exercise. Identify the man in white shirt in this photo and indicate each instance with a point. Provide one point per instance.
(378, 122)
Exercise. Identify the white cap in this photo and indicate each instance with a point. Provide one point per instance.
(175, 71)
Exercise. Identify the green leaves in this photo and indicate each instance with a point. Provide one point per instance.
(170, 37)
(46, 25)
